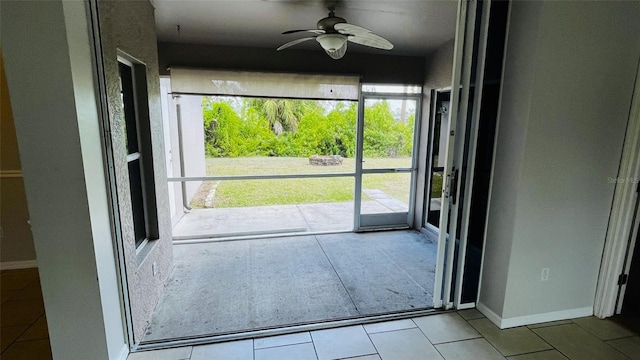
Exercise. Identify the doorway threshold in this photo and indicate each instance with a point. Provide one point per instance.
(284, 330)
(253, 236)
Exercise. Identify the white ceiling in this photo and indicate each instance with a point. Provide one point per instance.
(415, 27)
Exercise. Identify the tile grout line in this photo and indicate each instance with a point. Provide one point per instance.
(27, 325)
(518, 354)
(338, 275)
(387, 331)
(621, 338)
(485, 339)
(284, 345)
(554, 348)
(16, 339)
(313, 343)
(601, 339)
(429, 340)
(543, 340)
(372, 343)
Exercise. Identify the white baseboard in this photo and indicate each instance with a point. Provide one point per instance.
(535, 318)
(493, 317)
(14, 265)
(124, 353)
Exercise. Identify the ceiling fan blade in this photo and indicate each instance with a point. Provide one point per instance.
(295, 42)
(371, 40)
(315, 31)
(344, 28)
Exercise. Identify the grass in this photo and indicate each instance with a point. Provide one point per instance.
(239, 193)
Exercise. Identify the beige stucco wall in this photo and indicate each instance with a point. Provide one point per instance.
(439, 67)
(129, 27)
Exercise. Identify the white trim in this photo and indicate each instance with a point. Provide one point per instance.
(124, 353)
(629, 257)
(442, 283)
(10, 174)
(546, 317)
(493, 317)
(471, 153)
(535, 318)
(621, 218)
(15, 265)
(493, 154)
(465, 306)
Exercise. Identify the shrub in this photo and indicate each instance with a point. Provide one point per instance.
(301, 128)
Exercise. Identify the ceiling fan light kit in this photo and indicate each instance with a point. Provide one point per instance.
(333, 34)
(331, 42)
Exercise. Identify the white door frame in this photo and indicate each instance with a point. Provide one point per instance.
(465, 207)
(621, 230)
(462, 58)
(387, 220)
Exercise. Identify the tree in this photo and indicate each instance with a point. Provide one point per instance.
(283, 114)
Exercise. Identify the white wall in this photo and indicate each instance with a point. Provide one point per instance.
(50, 76)
(567, 87)
(193, 147)
(167, 104)
(193, 141)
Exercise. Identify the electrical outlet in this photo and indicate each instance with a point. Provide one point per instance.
(154, 269)
(545, 274)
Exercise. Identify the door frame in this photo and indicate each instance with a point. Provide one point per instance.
(397, 218)
(460, 83)
(435, 97)
(619, 238)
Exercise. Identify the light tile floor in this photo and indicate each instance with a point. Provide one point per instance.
(460, 335)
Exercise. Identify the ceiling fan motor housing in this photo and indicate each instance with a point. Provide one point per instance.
(327, 23)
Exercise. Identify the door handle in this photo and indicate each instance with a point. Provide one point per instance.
(454, 186)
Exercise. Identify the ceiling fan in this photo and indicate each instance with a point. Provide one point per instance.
(333, 33)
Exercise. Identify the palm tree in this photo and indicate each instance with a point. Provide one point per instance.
(282, 115)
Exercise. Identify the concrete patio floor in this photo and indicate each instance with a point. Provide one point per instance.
(283, 219)
(273, 219)
(231, 286)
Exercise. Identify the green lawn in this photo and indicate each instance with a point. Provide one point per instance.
(240, 193)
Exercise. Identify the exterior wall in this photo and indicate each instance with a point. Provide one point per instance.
(176, 187)
(193, 142)
(567, 87)
(129, 27)
(439, 67)
(193, 146)
(167, 107)
(59, 138)
(16, 240)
